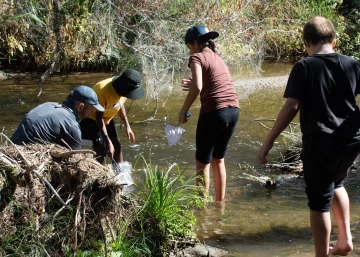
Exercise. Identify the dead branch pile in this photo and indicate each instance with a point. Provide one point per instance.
(56, 199)
(290, 161)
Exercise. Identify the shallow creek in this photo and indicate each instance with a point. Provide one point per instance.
(255, 221)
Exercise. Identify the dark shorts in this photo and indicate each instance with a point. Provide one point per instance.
(323, 175)
(90, 131)
(213, 133)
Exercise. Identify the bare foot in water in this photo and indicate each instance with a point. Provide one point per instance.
(342, 249)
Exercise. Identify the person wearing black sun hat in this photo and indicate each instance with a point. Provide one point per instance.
(99, 128)
(219, 110)
(199, 33)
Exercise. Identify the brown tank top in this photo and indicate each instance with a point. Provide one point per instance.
(218, 91)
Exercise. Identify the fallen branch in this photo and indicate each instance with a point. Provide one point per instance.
(77, 218)
(103, 234)
(58, 154)
(70, 198)
(17, 149)
(36, 172)
(282, 166)
(269, 128)
(66, 144)
(113, 236)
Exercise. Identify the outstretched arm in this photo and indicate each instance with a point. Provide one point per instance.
(194, 87)
(130, 134)
(285, 116)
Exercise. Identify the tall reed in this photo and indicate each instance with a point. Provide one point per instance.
(164, 215)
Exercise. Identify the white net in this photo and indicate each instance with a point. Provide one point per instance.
(173, 133)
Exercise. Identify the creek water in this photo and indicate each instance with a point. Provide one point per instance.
(256, 221)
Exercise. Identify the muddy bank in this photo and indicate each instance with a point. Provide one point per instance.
(56, 197)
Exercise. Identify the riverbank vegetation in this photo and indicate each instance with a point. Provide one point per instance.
(148, 35)
(58, 202)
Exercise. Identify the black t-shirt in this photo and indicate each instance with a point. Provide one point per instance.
(327, 84)
(49, 123)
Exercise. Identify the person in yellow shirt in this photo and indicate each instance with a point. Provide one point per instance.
(99, 127)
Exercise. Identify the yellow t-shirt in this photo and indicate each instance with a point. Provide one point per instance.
(109, 99)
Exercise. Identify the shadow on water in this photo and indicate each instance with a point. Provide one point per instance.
(255, 221)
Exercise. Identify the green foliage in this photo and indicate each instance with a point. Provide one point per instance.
(167, 199)
(23, 243)
(164, 213)
(146, 35)
(348, 41)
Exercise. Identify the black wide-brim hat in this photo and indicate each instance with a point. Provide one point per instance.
(199, 33)
(128, 84)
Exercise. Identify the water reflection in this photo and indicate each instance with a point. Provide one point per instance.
(255, 221)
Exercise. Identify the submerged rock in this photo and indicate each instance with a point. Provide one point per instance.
(200, 250)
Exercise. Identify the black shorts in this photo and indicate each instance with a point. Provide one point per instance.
(90, 131)
(323, 175)
(213, 133)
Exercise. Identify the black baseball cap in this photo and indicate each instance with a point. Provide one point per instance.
(87, 95)
(199, 33)
(128, 84)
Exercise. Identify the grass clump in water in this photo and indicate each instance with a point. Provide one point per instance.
(163, 220)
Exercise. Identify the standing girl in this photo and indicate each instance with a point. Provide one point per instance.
(219, 111)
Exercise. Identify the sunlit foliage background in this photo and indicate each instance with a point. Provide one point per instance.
(148, 35)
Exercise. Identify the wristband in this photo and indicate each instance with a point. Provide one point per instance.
(187, 114)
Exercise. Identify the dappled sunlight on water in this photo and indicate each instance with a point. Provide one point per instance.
(255, 221)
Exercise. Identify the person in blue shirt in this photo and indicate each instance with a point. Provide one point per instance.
(58, 123)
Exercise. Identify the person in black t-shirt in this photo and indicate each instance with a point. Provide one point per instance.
(323, 86)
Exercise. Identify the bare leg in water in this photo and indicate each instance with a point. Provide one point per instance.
(203, 178)
(321, 227)
(219, 170)
(320, 223)
(341, 209)
(203, 170)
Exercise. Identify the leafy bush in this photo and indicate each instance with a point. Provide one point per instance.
(147, 35)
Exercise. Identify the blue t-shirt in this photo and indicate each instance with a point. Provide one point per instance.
(49, 123)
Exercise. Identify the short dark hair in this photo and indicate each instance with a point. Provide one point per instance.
(319, 30)
(72, 101)
(69, 98)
